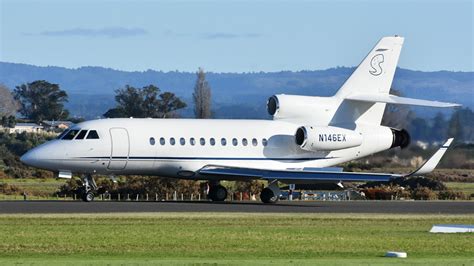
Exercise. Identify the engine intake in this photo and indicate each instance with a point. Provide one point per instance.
(273, 105)
(312, 138)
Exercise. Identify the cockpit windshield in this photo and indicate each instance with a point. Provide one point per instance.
(79, 134)
(70, 134)
(62, 134)
(93, 135)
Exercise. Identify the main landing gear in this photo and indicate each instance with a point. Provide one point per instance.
(271, 193)
(217, 192)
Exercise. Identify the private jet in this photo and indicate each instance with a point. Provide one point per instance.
(307, 137)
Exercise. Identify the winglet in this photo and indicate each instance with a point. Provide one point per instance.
(432, 162)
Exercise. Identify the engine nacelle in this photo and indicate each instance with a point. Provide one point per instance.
(307, 108)
(316, 138)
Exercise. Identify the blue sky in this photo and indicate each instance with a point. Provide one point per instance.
(233, 36)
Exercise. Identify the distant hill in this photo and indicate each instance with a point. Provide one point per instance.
(235, 95)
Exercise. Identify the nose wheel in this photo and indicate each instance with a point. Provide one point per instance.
(88, 196)
(89, 188)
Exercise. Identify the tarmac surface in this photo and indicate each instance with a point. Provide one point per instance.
(394, 207)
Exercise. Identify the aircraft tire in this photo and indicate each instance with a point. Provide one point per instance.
(267, 196)
(218, 193)
(88, 196)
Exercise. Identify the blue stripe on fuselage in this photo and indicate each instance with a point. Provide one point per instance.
(207, 158)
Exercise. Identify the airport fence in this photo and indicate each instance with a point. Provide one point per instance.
(233, 196)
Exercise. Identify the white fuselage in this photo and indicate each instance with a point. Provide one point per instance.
(134, 146)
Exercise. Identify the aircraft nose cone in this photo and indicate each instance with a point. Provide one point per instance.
(42, 157)
(27, 158)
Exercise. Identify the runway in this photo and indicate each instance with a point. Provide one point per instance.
(389, 207)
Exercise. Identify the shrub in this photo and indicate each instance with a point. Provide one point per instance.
(43, 174)
(379, 193)
(412, 183)
(424, 193)
(9, 189)
(451, 195)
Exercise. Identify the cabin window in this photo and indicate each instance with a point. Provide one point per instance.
(212, 141)
(223, 141)
(202, 141)
(254, 142)
(235, 142)
(264, 142)
(245, 142)
(152, 141)
(182, 141)
(162, 141)
(192, 141)
(172, 141)
(81, 134)
(70, 135)
(92, 135)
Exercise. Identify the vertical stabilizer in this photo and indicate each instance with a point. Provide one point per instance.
(374, 75)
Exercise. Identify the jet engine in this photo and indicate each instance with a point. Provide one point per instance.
(296, 106)
(326, 138)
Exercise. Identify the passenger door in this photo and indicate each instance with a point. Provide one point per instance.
(120, 148)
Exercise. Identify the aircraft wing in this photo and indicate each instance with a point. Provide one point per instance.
(316, 175)
(293, 176)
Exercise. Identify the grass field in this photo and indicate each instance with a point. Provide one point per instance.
(37, 188)
(466, 188)
(231, 239)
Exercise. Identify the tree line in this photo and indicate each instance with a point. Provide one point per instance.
(41, 100)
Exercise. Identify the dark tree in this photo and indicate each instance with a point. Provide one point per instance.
(169, 103)
(144, 102)
(461, 125)
(202, 96)
(439, 128)
(419, 129)
(8, 121)
(41, 100)
(115, 112)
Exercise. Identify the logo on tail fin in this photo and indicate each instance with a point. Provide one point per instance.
(376, 64)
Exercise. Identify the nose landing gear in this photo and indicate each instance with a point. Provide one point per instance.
(89, 188)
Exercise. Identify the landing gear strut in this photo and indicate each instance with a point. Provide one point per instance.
(89, 188)
(217, 192)
(271, 193)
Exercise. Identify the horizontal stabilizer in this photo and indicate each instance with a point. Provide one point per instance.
(388, 98)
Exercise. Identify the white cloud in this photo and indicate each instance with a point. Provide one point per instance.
(110, 32)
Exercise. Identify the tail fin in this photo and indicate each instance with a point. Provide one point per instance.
(375, 73)
(373, 76)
